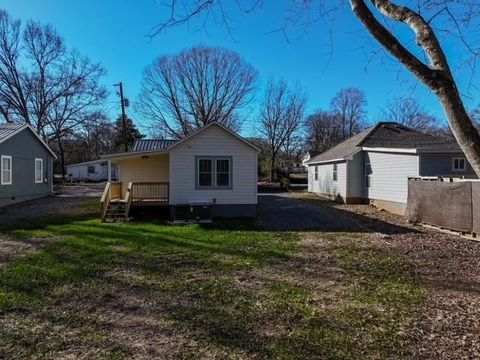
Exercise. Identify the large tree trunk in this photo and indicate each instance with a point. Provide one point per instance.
(62, 157)
(437, 75)
(272, 167)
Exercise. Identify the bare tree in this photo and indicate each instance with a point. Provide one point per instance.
(411, 113)
(426, 19)
(187, 91)
(349, 104)
(281, 114)
(324, 130)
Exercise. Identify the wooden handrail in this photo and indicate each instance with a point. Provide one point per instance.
(105, 200)
(128, 200)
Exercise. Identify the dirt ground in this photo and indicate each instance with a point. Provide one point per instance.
(447, 265)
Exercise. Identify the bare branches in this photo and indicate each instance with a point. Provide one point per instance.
(349, 106)
(409, 112)
(281, 115)
(187, 91)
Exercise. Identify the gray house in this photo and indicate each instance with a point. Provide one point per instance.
(26, 164)
(374, 165)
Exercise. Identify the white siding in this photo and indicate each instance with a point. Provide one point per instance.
(390, 172)
(325, 185)
(213, 141)
(355, 181)
(80, 172)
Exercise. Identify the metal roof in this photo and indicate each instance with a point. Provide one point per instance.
(152, 144)
(9, 128)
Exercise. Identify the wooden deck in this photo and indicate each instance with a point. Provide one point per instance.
(116, 206)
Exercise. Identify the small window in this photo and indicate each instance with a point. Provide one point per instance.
(335, 172)
(459, 164)
(91, 169)
(223, 172)
(205, 170)
(316, 172)
(367, 172)
(6, 170)
(38, 171)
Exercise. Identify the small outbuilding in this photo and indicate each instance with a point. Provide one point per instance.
(95, 170)
(26, 164)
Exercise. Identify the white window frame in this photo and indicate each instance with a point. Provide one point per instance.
(40, 179)
(2, 180)
(459, 159)
(212, 171)
(335, 172)
(315, 172)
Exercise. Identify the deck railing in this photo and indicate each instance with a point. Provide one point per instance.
(150, 191)
(116, 190)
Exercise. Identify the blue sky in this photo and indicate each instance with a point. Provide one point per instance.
(114, 33)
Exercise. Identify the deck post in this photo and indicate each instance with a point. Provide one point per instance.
(109, 170)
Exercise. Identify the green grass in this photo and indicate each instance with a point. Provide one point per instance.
(222, 286)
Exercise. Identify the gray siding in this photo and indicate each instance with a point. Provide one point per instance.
(390, 172)
(24, 148)
(442, 165)
(355, 181)
(325, 185)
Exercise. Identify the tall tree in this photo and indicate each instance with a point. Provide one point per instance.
(426, 20)
(184, 92)
(281, 114)
(132, 133)
(411, 113)
(349, 104)
(324, 130)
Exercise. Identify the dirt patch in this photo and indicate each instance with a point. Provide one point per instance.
(12, 248)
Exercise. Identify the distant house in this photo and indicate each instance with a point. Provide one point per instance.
(96, 170)
(26, 164)
(213, 169)
(374, 165)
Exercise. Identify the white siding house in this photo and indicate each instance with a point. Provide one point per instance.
(96, 170)
(212, 166)
(374, 165)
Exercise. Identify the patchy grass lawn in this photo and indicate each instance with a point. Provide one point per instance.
(144, 290)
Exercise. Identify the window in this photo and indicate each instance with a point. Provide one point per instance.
(367, 172)
(223, 172)
(91, 169)
(38, 171)
(205, 170)
(6, 169)
(316, 172)
(459, 164)
(334, 172)
(214, 173)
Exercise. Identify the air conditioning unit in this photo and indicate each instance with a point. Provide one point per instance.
(192, 213)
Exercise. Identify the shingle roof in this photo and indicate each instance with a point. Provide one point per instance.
(152, 144)
(386, 135)
(8, 128)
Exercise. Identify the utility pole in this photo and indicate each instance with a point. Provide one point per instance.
(124, 118)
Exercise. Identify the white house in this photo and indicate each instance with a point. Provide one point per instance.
(374, 165)
(213, 167)
(96, 170)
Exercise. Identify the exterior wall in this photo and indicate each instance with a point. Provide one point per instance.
(355, 179)
(151, 169)
(24, 148)
(391, 206)
(80, 172)
(325, 186)
(390, 172)
(442, 165)
(213, 141)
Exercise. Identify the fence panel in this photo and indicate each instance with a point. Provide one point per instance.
(476, 207)
(448, 205)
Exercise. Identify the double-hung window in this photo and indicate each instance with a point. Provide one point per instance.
(459, 164)
(367, 172)
(334, 174)
(316, 172)
(214, 172)
(6, 170)
(38, 171)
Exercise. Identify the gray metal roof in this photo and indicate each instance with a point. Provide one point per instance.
(386, 135)
(8, 128)
(152, 144)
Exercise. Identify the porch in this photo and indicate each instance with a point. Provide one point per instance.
(116, 203)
